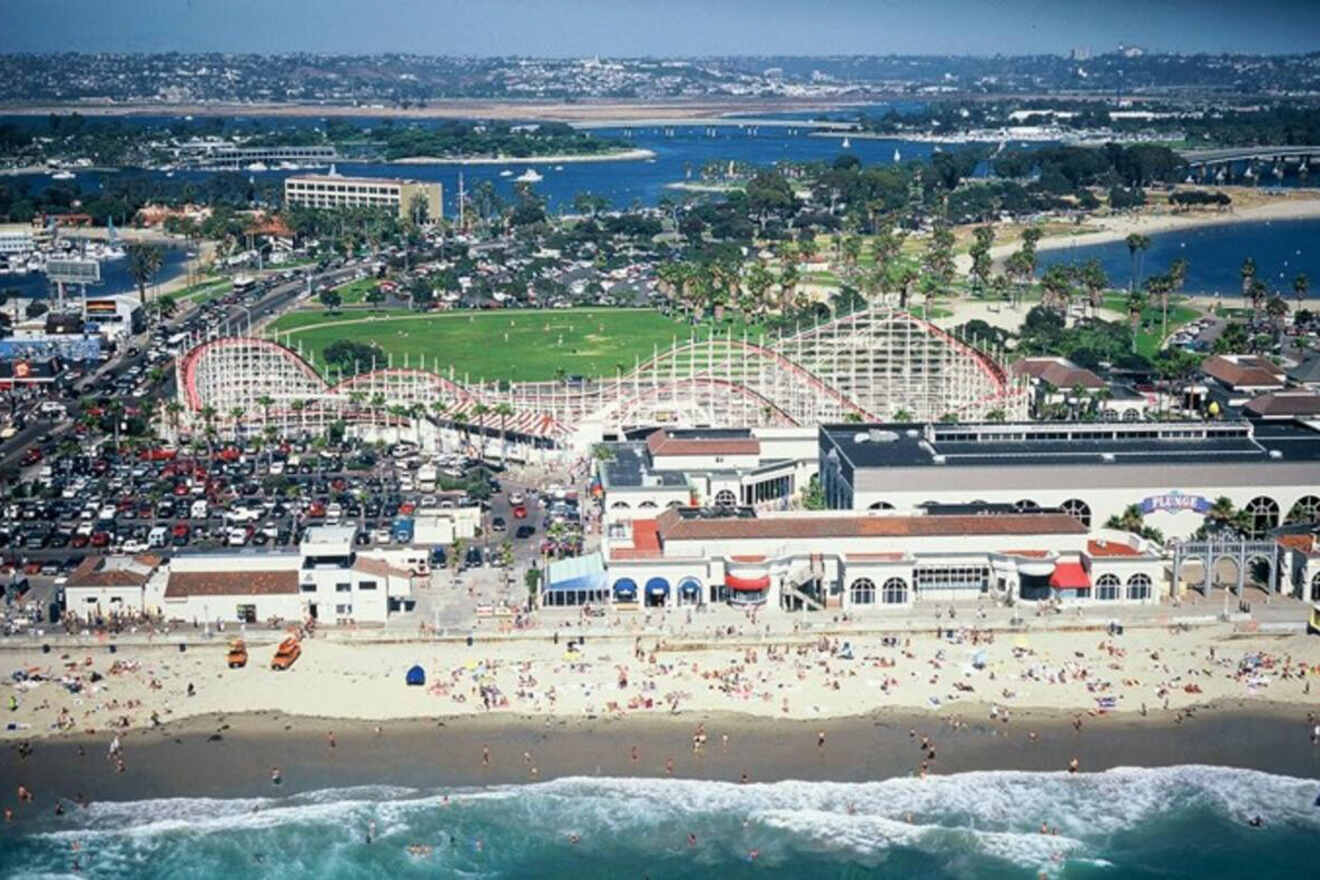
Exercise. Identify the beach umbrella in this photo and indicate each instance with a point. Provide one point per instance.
(1020, 642)
(416, 676)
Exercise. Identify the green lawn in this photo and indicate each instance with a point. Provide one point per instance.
(516, 345)
(355, 292)
(1149, 338)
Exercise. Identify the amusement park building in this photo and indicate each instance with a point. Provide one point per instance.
(831, 559)
(1174, 471)
(873, 364)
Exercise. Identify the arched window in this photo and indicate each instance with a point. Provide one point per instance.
(881, 505)
(862, 592)
(1108, 587)
(1138, 587)
(647, 504)
(1025, 504)
(619, 505)
(1315, 587)
(725, 498)
(1131, 415)
(1307, 509)
(1078, 510)
(895, 592)
(1264, 515)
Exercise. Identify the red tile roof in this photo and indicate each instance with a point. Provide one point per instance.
(1059, 372)
(1285, 403)
(875, 557)
(1243, 371)
(231, 583)
(662, 443)
(646, 542)
(1301, 543)
(1110, 548)
(379, 567)
(101, 571)
(845, 525)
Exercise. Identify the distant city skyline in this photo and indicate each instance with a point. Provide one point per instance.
(630, 28)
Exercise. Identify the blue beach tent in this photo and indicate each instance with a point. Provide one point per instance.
(416, 676)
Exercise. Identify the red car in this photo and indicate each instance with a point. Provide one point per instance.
(78, 541)
(100, 539)
(520, 512)
(181, 530)
(32, 456)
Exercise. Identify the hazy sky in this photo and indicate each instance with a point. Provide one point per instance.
(657, 27)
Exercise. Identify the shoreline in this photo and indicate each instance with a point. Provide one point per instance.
(620, 156)
(1117, 229)
(231, 756)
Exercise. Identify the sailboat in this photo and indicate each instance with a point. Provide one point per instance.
(847, 144)
(897, 156)
(529, 176)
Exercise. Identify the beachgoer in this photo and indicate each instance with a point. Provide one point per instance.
(692, 839)
(371, 831)
(820, 739)
(1072, 765)
(275, 777)
(330, 738)
(24, 796)
(485, 756)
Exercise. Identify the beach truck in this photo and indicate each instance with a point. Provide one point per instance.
(237, 656)
(289, 650)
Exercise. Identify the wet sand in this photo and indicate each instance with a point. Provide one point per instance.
(233, 756)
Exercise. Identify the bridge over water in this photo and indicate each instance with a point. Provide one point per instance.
(1229, 155)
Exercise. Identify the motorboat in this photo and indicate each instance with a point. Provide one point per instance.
(257, 166)
(559, 167)
(506, 173)
(62, 175)
(529, 176)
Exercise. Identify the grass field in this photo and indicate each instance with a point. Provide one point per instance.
(1149, 339)
(514, 345)
(355, 292)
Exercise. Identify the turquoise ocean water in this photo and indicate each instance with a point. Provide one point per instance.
(1189, 821)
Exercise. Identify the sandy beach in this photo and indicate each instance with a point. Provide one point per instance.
(1300, 205)
(618, 156)
(91, 690)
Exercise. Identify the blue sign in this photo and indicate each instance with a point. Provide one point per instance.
(1175, 501)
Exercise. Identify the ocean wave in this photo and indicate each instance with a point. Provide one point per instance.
(968, 819)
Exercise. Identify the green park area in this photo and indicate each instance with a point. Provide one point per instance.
(513, 345)
(203, 291)
(355, 292)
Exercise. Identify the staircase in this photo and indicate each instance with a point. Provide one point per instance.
(812, 571)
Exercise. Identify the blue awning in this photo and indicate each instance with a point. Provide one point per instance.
(657, 586)
(690, 586)
(625, 587)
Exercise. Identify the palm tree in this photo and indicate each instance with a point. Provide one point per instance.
(1248, 273)
(1301, 285)
(172, 410)
(144, 261)
(503, 410)
(1277, 309)
(478, 414)
(236, 413)
(1136, 305)
(1137, 245)
(208, 416)
(265, 401)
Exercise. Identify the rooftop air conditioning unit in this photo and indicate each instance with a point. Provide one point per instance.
(1274, 453)
(1107, 457)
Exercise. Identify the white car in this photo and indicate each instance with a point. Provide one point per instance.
(107, 511)
(236, 537)
(517, 498)
(132, 545)
(242, 514)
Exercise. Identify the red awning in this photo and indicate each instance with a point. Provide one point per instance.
(1070, 576)
(747, 585)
